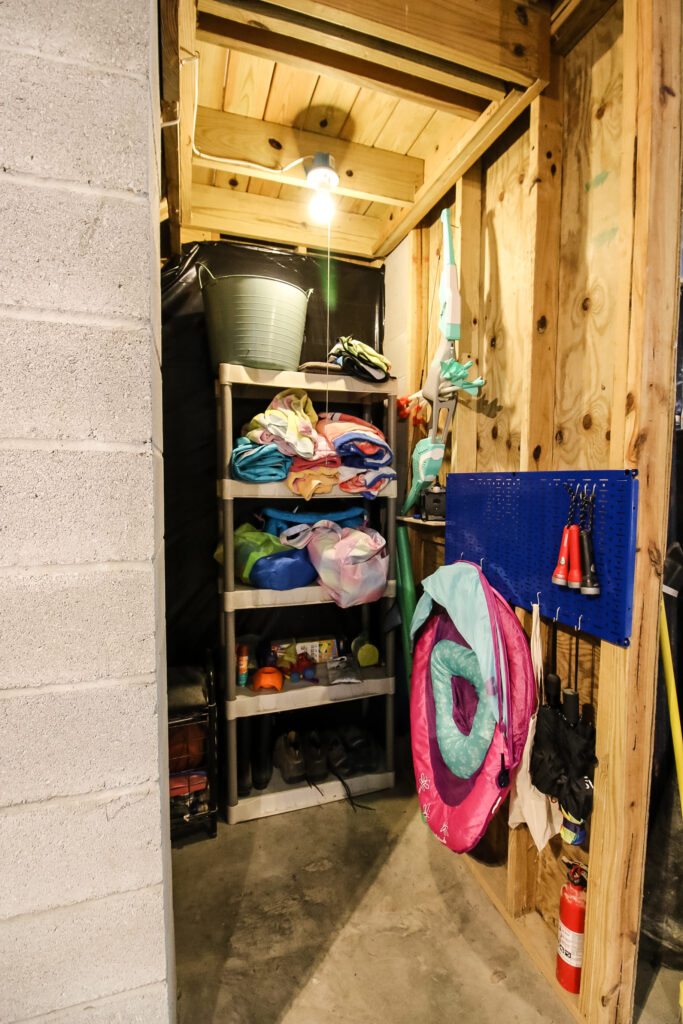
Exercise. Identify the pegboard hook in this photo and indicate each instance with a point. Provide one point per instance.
(578, 625)
(557, 614)
(538, 597)
(481, 563)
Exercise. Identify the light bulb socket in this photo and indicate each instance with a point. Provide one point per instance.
(321, 174)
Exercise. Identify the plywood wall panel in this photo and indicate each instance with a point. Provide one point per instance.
(589, 270)
(505, 302)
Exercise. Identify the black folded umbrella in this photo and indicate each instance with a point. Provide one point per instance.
(563, 756)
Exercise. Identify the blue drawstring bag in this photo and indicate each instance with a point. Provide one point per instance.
(277, 520)
(283, 570)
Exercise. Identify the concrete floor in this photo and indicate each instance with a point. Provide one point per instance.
(327, 916)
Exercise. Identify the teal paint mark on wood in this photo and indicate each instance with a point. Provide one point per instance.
(605, 237)
(599, 179)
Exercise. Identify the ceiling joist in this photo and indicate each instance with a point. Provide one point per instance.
(285, 21)
(503, 38)
(321, 60)
(245, 215)
(177, 19)
(364, 172)
(448, 164)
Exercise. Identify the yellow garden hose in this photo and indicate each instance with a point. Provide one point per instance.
(674, 713)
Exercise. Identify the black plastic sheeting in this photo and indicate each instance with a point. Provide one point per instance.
(356, 307)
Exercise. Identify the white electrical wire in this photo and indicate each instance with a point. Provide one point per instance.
(221, 159)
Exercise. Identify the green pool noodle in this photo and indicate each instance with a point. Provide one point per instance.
(406, 595)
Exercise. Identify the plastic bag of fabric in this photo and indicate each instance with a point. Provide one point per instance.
(250, 546)
(352, 565)
(277, 520)
(284, 570)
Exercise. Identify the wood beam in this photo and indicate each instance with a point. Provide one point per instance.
(245, 215)
(572, 19)
(364, 172)
(449, 161)
(641, 438)
(177, 28)
(467, 251)
(368, 48)
(539, 343)
(503, 38)
(335, 63)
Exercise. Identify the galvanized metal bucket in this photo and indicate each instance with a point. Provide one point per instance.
(253, 321)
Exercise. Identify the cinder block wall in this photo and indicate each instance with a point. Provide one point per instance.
(85, 925)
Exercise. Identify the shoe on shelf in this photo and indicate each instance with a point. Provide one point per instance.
(289, 758)
(261, 751)
(338, 759)
(315, 757)
(360, 747)
(244, 757)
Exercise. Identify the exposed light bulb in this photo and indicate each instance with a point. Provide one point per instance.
(321, 207)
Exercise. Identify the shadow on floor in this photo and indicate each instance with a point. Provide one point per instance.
(257, 908)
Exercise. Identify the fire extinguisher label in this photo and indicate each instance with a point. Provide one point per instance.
(570, 946)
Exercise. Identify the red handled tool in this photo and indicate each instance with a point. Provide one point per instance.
(570, 554)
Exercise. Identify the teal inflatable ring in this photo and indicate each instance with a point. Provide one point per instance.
(464, 754)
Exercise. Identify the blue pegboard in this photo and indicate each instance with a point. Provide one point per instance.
(512, 523)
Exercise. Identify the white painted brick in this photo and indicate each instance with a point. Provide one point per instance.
(76, 251)
(73, 123)
(75, 506)
(63, 957)
(147, 1005)
(64, 852)
(75, 381)
(98, 32)
(69, 742)
(76, 626)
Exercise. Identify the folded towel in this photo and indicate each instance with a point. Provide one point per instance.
(357, 442)
(368, 482)
(258, 463)
(288, 422)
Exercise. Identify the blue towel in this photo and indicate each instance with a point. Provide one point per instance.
(258, 463)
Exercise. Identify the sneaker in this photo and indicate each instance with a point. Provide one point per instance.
(244, 757)
(289, 758)
(360, 748)
(261, 747)
(315, 757)
(338, 758)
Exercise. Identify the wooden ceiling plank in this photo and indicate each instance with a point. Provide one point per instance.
(431, 138)
(330, 105)
(572, 19)
(368, 115)
(177, 18)
(212, 61)
(453, 158)
(228, 179)
(366, 47)
(326, 61)
(364, 172)
(247, 84)
(246, 216)
(290, 95)
(404, 126)
(508, 40)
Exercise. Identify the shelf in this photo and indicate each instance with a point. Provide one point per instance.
(279, 797)
(243, 597)
(278, 489)
(307, 695)
(267, 380)
(411, 521)
(199, 715)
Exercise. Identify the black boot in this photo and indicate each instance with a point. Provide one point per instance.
(243, 757)
(261, 751)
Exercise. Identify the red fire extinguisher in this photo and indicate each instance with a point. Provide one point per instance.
(570, 938)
